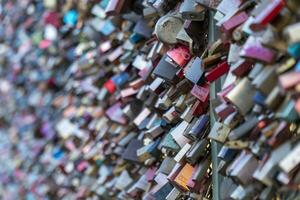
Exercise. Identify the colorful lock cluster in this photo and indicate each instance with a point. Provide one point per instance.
(131, 99)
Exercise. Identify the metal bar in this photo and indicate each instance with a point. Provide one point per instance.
(214, 88)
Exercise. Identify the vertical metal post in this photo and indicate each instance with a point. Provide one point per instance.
(214, 88)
